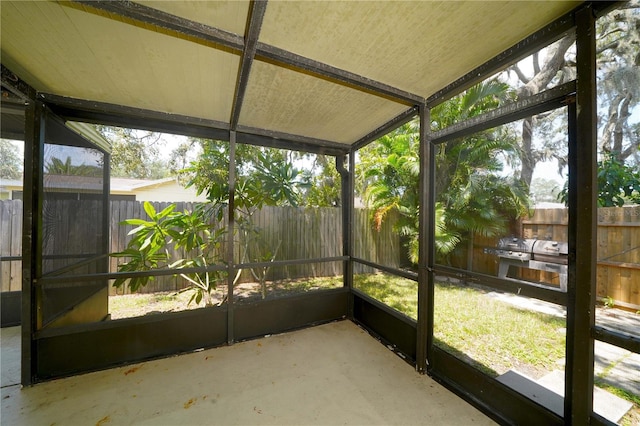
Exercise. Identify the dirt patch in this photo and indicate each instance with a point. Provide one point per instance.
(140, 304)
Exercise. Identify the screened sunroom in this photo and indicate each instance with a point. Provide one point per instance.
(376, 166)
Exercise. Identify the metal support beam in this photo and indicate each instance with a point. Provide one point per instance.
(536, 41)
(15, 85)
(149, 18)
(426, 243)
(582, 227)
(410, 275)
(31, 235)
(346, 187)
(231, 271)
(138, 118)
(283, 58)
(293, 142)
(257, 9)
(116, 115)
(391, 125)
(522, 108)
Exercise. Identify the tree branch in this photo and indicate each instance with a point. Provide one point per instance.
(523, 78)
(550, 68)
(536, 63)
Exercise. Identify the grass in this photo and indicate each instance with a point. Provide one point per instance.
(492, 335)
(133, 305)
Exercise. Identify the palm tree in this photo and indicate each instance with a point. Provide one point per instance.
(472, 196)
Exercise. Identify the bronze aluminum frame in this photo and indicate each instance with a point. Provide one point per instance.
(581, 327)
(116, 115)
(580, 318)
(256, 15)
(31, 234)
(583, 222)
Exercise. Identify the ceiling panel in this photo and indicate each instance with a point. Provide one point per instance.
(291, 102)
(419, 47)
(226, 15)
(69, 52)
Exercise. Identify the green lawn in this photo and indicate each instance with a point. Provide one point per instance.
(490, 334)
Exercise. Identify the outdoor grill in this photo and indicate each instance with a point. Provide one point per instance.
(532, 253)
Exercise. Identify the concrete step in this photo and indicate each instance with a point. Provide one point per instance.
(548, 391)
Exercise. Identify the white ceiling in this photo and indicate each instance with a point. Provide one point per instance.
(418, 47)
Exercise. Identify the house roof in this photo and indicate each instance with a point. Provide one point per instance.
(129, 185)
(319, 73)
(71, 182)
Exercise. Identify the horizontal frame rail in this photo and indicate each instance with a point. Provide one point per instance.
(75, 265)
(520, 50)
(122, 116)
(394, 271)
(391, 125)
(550, 99)
(520, 288)
(63, 281)
(622, 340)
(278, 263)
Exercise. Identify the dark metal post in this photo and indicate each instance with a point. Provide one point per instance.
(106, 213)
(578, 403)
(346, 187)
(231, 231)
(426, 243)
(31, 236)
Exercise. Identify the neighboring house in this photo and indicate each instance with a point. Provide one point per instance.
(167, 189)
(77, 187)
(9, 187)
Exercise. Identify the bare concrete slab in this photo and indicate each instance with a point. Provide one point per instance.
(605, 403)
(330, 374)
(532, 390)
(10, 356)
(548, 391)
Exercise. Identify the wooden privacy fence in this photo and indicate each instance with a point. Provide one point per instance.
(288, 232)
(618, 254)
(299, 233)
(11, 244)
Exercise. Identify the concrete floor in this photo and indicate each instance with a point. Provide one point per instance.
(330, 374)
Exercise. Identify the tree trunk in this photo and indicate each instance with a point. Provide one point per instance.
(554, 63)
(527, 155)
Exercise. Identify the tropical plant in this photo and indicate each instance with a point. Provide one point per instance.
(175, 240)
(55, 166)
(617, 183)
(472, 195)
(264, 177)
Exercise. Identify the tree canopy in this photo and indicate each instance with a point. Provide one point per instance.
(10, 161)
(472, 193)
